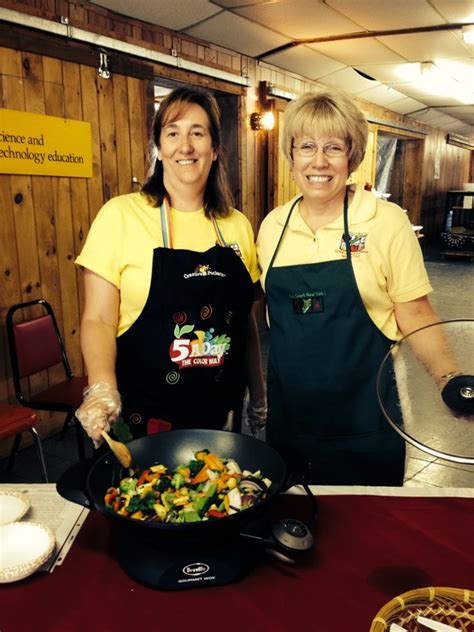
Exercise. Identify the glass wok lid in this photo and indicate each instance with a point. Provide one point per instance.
(437, 418)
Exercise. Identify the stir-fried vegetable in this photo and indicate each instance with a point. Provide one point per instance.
(206, 488)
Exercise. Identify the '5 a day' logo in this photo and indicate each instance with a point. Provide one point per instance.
(206, 349)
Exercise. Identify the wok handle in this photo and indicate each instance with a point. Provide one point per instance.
(299, 478)
(71, 485)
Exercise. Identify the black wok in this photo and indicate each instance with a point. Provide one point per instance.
(178, 447)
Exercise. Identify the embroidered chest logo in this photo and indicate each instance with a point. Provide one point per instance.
(308, 302)
(207, 349)
(203, 270)
(356, 244)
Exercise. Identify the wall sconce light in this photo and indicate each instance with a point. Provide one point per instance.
(468, 33)
(262, 121)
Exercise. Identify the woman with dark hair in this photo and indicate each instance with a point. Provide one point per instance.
(168, 331)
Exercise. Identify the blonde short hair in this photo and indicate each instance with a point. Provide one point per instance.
(326, 112)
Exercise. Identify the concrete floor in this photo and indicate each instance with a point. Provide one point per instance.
(453, 298)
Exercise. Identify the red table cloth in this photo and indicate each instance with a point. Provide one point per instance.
(367, 550)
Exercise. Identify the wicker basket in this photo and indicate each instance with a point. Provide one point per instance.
(452, 606)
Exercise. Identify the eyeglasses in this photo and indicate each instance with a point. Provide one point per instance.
(308, 149)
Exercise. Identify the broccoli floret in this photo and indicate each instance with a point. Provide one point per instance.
(128, 485)
(162, 483)
(178, 480)
(195, 466)
(144, 504)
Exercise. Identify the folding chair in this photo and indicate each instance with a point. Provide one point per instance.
(14, 420)
(36, 345)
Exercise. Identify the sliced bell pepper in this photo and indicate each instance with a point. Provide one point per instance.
(213, 513)
(214, 462)
(201, 476)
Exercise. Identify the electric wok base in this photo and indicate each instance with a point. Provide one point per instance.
(189, 565)
(179, 562)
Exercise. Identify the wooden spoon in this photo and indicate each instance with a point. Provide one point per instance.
(119, 449)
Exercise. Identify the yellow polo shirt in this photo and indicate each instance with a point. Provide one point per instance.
(122, 237)
(386, 256)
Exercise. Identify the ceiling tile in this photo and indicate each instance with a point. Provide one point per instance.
(356, 51)
(305, 61)
(232, 4)
(427, 115)
(238, 34)
(430, 100)
(455, 10)
(310, 19)
(377, 15)
(385, 73)
(168, 13)
(406, 106)
(381, 95)
(348, 80)
(426, 46)
(467, 130)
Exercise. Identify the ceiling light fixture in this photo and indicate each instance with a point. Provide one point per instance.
(468, 34)
(438, 81)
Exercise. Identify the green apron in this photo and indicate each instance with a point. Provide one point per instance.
(324, 355)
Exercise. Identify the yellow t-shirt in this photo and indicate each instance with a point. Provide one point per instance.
(126, 230)
(386, 258)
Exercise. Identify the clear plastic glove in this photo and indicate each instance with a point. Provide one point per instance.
(100, 408)
(256, 414)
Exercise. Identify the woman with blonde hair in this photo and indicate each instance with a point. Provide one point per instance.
(344, 277)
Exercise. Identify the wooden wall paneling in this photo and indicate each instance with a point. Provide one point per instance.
(412, 179)
(46, 216)
(90, 109)
(74, 220)
(365, 173)
(247, 139)
(138, 125)
(122, 144)
(79, 204)
(24, 217)
(68, 305)
(10, 280)
(107, 137)
(286, 186)
(10, 286)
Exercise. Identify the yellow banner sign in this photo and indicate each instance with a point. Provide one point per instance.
(36, 144)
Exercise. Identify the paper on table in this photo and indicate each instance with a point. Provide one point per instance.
(63, 517)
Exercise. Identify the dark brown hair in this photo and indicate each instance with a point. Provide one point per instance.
(217, 196)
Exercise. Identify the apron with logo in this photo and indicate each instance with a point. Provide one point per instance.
(182, 359)
(325, 351)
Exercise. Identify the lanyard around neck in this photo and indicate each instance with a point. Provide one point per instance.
(165, 215)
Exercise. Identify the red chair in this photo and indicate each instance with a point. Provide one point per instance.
(36, 345)
(14, 420)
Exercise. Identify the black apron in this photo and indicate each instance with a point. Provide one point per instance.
(324, 355)
(182, 359)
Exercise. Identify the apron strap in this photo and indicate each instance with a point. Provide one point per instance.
(346, 236)
(166, 224)
(220, 236)
(283, 231)
(165, 216)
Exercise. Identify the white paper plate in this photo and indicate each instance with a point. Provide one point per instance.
(24, 547)
(13, 506)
